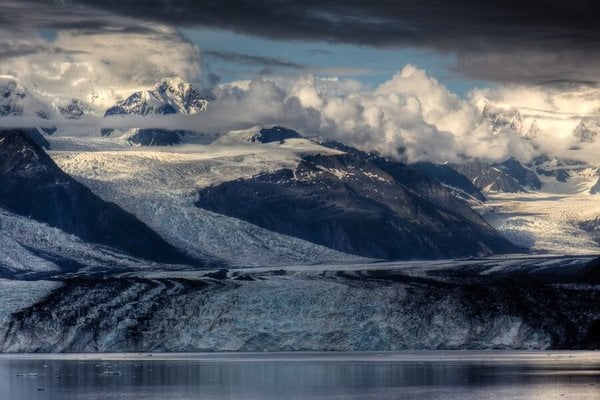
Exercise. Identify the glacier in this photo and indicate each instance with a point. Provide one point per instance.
(550, 220)
(492, 303)
(557, 218)
(31, 250)
(159, 186)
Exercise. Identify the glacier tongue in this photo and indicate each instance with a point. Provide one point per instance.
(17, 295)
(31, 249)
(527, 303)
(16, 257)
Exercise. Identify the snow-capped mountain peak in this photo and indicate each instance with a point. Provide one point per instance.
(16, 101)
(181, 93)
(586, 131)
(175, 86)
(74, 109)
(169, 96)
(11, 96)
(500, 117)
(533, 131)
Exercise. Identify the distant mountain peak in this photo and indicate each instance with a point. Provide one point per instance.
(259, 134)
(172, 84)
(586, 132)
(17, 101)
(500, 117)
(169, 96)
(74, 109)
(533, 131)
(12, 95)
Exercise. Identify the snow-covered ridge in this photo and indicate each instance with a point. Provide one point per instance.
(258, 134)
(194, 166)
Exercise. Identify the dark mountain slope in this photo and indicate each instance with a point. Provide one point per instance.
(450, 177)
(359, 205)
(489, 177)
(32, 185)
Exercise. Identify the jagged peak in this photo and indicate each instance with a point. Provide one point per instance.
(486, 107)
(533, 131)
(482, 103)
(73, 109)
(586, 132)
(169, 96)
(9, 84)
(17, 101)
(174, 82)
(500, 116)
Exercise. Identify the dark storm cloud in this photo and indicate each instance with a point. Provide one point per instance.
(440, 23)
(18, 16)
(249, 59)
(569, 85)
(520, 41)
(498, 40)
(8, 50)
(86, 27)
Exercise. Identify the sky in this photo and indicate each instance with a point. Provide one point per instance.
(406, 78)
(233, 56)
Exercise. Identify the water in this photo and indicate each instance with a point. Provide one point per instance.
(366, 376)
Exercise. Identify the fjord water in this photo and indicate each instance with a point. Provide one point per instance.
(403, 375)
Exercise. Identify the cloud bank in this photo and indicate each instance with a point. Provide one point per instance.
(411, 117)
(91, 55)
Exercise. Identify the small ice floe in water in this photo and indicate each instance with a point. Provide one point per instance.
(107, 372)
(104, 364)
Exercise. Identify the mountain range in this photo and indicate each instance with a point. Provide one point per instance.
(114, 242)
(428, 210)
